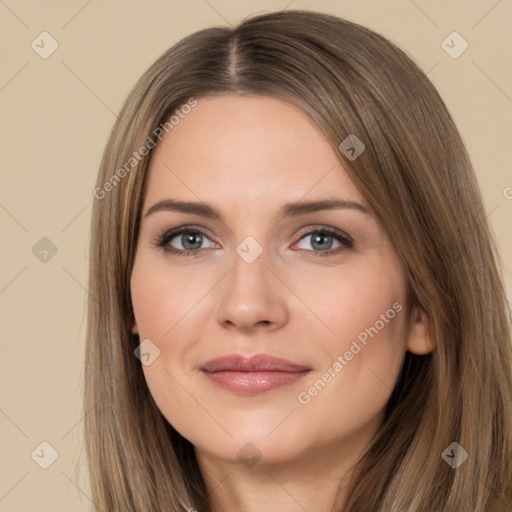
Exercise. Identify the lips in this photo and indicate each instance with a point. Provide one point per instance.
(252, 375)
(257, 363)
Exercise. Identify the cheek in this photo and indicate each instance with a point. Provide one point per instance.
(363, 340)
(166, 305)
(365, 309)
(162, 296)
(361, 302)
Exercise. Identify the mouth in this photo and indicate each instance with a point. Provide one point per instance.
(252, 375)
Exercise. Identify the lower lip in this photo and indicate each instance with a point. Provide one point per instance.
(253, 383)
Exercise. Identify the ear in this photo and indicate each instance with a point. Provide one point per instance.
(135, 328)
(420, 338)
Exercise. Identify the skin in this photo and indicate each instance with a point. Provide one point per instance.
(248, 155)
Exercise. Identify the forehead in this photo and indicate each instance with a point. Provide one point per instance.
(256, 148)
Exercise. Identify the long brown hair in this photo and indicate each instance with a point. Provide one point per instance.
(416, 175)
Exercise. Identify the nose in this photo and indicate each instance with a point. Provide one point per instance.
(252, 297)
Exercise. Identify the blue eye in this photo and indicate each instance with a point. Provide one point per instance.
(322, 241)
(191, 241)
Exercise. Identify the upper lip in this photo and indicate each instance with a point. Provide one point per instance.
(256, 363)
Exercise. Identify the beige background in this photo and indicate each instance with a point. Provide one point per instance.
(57, 113)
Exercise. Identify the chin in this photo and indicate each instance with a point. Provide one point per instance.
(251, 450)
(251, 442)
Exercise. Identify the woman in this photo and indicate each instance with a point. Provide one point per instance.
(336, 336)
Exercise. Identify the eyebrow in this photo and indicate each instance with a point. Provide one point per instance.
(293, 209)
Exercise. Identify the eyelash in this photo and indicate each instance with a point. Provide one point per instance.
(162, 241)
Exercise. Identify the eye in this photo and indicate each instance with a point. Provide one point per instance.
(188, 241)
(321, 241)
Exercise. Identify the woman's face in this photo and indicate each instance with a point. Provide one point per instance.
(321, 288)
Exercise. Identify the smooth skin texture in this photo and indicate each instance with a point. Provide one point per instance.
(299, 300)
